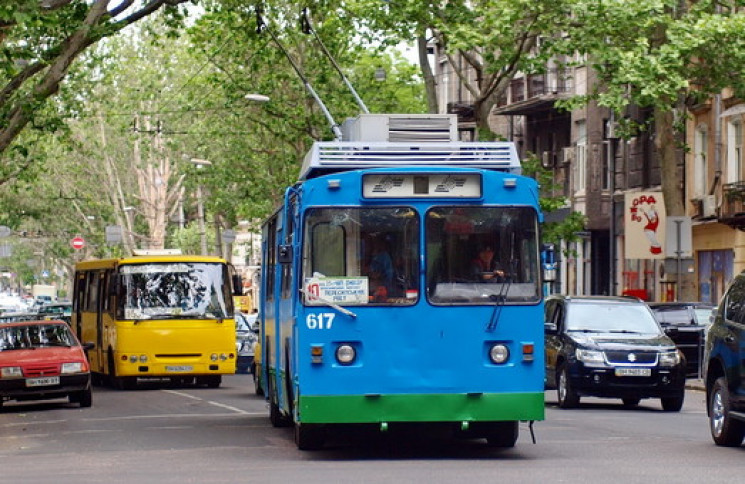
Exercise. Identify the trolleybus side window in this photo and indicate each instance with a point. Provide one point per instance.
(289, 236)
(458, 237)
(360, 256)
(270, 237)
(330, 261)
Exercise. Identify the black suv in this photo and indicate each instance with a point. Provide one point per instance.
(610, 347)
(685, 323)
(724, 373)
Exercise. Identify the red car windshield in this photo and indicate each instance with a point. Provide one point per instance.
(35, 336)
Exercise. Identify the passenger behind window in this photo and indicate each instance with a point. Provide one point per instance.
(381, 271)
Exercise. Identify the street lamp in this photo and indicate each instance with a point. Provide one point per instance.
(259, 98)
(200, 207)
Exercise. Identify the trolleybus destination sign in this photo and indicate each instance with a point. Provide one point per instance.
(349, 290)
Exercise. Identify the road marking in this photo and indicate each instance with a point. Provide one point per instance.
(217, 404)
(182, 394)
(228, 407)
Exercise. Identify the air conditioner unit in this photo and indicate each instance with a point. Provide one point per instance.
(709, 206)
(567, 155)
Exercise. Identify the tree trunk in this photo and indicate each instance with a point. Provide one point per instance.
(429, 79)
(665, 144)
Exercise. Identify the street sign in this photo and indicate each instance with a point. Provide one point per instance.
(678, 242)
(77, 243)
(113, 234)
(228, 236)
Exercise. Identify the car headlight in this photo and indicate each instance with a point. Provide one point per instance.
(72, 368)
(590, 357)
(11, 372)
(670, 358)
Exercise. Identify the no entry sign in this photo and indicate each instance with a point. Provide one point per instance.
(77, 243)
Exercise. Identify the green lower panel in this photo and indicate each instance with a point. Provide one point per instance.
(421, 408)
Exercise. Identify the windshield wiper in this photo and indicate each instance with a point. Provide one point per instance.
(499, 300)
(328, 303)
(625, 331)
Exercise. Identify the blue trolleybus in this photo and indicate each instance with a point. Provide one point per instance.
(401, 286)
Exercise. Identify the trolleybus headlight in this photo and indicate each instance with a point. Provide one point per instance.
(345, 354)
(213, 357)
(223, 356)
(143, 358)
(499, 353)
(133, 358)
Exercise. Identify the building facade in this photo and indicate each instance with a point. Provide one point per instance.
(598, 171)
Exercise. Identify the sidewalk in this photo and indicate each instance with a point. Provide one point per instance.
(695, 384)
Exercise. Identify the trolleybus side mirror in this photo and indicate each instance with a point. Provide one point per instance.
(285, 254)
(237, 285)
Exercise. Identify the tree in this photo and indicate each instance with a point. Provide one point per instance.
(486, 43)
(40, 40)
(665, 55)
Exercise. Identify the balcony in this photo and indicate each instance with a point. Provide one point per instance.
(535, 93)
(465, 111)
(732, 211)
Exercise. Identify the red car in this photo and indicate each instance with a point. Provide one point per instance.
(41, 360)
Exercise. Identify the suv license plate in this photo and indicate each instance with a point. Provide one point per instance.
(633, 372)
(180, 369)
(41, 382)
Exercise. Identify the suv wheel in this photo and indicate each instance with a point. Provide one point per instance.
(725, 430)
(568, 398)
(673, 404)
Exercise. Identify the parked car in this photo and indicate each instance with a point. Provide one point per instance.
(685, 323)
(724, 374)
(18, 316)
(61, 311)
(41, 360)
(610, 347)
(245, 341)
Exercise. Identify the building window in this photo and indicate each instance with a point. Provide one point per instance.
(700, 150)
(580, 179)
(734, 151)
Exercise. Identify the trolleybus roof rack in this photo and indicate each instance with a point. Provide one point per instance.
(370, 142)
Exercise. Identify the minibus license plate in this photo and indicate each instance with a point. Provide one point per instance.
(633, 372)
(181, 368)
(41, 382)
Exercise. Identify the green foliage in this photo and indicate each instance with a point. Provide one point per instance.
(553, 232)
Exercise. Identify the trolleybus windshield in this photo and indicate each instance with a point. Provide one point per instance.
(360, 256)
(482, 255)
(174, 291)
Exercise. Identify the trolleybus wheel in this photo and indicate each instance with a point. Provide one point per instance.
(503, 434)
(309, 436)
